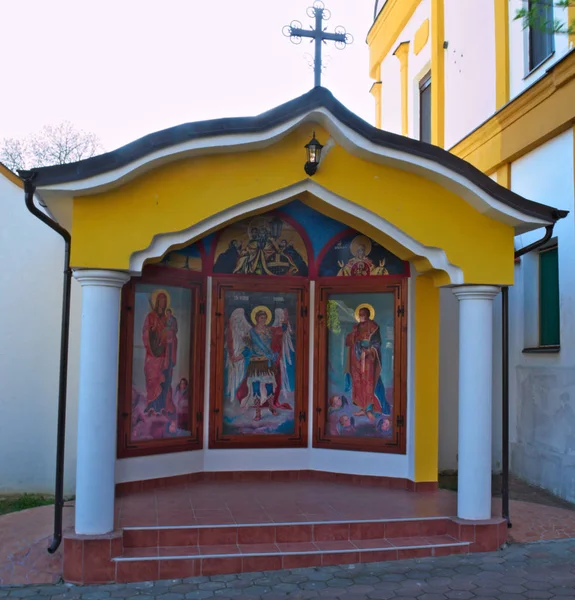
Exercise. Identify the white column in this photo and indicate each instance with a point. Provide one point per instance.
(475, 396)
(97, 399)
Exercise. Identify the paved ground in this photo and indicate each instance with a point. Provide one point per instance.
(520, 572)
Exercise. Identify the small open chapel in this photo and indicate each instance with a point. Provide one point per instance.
(259, 357)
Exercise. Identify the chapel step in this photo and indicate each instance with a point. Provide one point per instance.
(161, 562)
(284, 533)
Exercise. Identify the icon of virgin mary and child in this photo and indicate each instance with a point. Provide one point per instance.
(258, 358)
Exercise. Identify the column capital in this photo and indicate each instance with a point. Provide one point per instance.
(101, 277)
(476, 292)
(402, 52)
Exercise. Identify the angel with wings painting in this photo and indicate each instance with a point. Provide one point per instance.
(257, 359)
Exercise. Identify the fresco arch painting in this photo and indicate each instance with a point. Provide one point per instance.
(268, 244)
(352, 254)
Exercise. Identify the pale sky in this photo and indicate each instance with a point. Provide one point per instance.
(125, 68)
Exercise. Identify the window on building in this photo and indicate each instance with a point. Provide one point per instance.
(549, 297)
(425, 109)
(540, 32)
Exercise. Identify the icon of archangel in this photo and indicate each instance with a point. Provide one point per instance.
(259, 359)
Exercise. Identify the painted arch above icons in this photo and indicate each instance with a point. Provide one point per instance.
(295, 241)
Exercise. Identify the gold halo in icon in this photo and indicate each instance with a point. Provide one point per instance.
(360, 240)
(262, 308)
(369, 307)
(154, 296)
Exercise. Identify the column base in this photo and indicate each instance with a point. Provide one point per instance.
(89, 559)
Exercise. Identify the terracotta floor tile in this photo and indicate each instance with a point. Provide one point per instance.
(178, 551)
(219, 549)
(335, 545)
(408, 541)
(139, 552)
(297, 547)
(372, 543)
(257, 548)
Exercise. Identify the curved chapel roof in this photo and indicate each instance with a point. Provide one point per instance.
(318, 99)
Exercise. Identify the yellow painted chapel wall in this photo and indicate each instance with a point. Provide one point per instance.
(109, 227)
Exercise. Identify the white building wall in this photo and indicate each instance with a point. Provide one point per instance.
(519, 74)
(31, 305)
(418, 66)
(390, 94)
(542, 386)
(469, 67)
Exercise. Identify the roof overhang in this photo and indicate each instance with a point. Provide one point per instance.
(318, 106)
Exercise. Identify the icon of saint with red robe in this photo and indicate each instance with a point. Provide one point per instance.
(364, 365)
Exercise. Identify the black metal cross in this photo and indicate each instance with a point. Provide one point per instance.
(296, 32)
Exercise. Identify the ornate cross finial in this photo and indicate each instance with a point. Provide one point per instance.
(318, 34)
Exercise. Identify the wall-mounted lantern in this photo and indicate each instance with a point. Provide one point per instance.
(313, 149)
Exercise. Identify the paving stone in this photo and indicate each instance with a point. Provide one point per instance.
(223, 578)
(393, 577)
(289, 578)
(538, 585)
(387, 586)
(367, 579)
(320, 576)
(269, 580)
(381, 595)
(562, 591)
(313, 585)
(199, 595)
(462, 585)
(250, 576)
(459, 595)
(286, 588)
(24, 592)
(198, 579)
(418, 574)
(512, 589)
(238, 584)
(209, 585)
(97, 596)
(228, 593)
(432, 597)
(340, 583)
(256, 590)
(331, 592)
(184, 588)
(467, 569)
(141, 585)
(537, 594)
(171, 595)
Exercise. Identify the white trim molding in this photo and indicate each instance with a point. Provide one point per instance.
(162, 242)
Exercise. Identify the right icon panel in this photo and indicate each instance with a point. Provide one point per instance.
(360, 400)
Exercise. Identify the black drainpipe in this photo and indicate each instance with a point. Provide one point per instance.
(29, 190)
(505, 379)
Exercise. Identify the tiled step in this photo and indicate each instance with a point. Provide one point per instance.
(283, 533)
(171, 562)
